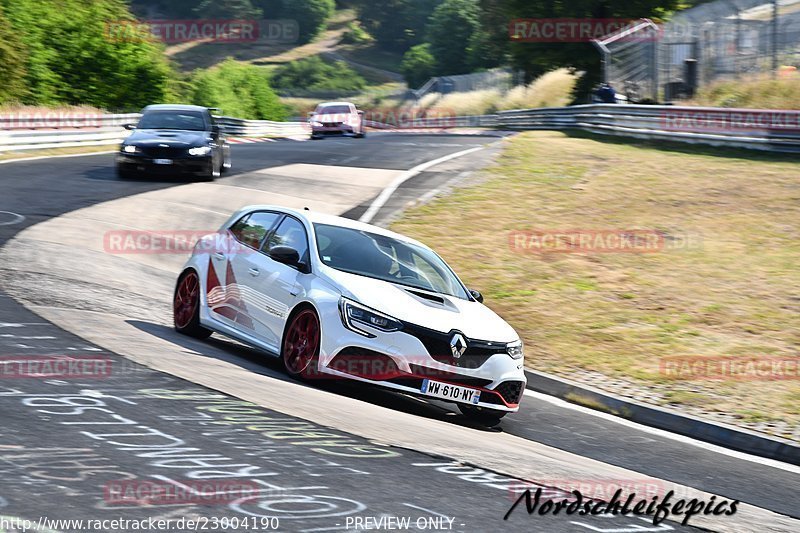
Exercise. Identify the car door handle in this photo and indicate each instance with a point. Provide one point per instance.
(254, 272)
(219, 256)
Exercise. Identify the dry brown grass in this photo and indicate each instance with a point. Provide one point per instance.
(755, 93)
(468, 103)
(733, 292)
(553, 89)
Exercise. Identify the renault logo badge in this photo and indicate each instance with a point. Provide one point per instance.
(458, 345)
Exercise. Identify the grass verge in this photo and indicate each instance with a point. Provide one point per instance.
(727, 285)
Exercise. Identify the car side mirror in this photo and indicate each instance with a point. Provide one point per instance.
(477, 295)
(361, 113)
(311, 114)
(287, 256)
(129, 126)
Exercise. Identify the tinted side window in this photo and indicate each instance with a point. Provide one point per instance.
(252, 228)
(290, 233)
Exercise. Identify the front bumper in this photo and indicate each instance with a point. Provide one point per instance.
(400, 361)
(338, 129)
(185, 165)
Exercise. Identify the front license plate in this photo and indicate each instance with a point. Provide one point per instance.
(162, 161)
(450, 392)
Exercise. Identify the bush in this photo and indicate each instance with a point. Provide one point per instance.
(241, 91)
(314, 74)
(418, 65)
(355, 34)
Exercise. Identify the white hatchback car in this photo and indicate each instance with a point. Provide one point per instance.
(341, 299)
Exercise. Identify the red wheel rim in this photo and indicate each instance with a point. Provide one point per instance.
(186, 300)
(302, 342)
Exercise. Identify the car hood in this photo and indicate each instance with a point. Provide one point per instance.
(169, 137)
(471, 318)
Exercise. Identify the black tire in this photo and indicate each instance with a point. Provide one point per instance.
(186, 307)
(227, 164)
(484, 417)
(213, 172)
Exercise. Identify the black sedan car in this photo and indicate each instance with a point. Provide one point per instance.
(174, 140)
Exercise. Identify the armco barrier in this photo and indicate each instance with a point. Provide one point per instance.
(772, 130)
(19, 133)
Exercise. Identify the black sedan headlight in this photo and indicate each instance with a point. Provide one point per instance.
(360, 319)
(129, 149)
(200, 150)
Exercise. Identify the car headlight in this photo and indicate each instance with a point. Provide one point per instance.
(200, 150)
(355, 317)
(130, 149)
(317, 124)
(515, 349)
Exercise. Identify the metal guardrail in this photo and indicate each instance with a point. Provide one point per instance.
(21, 133)
(772, 130)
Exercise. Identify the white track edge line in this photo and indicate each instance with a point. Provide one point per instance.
(387, 193)
(663, 433)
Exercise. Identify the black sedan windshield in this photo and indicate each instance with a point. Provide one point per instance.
(173, 120)
(381, 257)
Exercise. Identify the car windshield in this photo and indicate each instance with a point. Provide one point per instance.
(381, 257)
(333, 110)
(173, 120)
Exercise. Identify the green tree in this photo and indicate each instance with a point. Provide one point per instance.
(311, 16)
(74, 57)
(418, 65)
(537, 58)
(488, 46)
(450, 32)
(227, 9)
(397, 25)
(13, 59)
